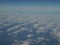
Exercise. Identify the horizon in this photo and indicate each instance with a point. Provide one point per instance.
(30, 6)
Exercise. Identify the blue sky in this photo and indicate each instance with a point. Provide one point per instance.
(39, 2)
(30, 6)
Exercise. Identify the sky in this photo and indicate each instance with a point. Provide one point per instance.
(30, 6)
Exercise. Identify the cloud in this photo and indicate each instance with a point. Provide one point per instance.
(25, 43)
(40, 38)
(29, 35)
(57, 35)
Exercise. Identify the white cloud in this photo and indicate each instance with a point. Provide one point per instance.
(29, 35)
(25, 43)
(57, 34)
(35, 25)
(21, 25)
(22, 28)
(30, 30)
(9, 34)
(15, 32)
(40, 39)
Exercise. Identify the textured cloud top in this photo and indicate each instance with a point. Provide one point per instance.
(30, 30)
